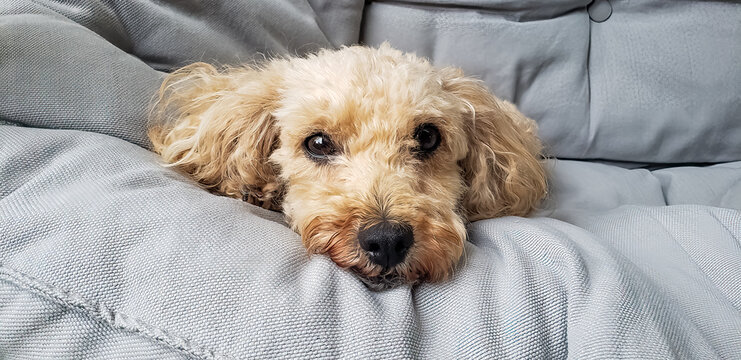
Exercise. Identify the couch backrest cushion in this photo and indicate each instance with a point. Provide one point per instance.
(653, 81)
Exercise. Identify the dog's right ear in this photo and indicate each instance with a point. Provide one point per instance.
(216, 125)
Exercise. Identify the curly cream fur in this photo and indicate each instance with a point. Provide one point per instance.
(241, 130)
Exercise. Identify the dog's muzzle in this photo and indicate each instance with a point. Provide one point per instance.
(386, 243)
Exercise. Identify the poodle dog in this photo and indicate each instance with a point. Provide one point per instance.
(377, 158)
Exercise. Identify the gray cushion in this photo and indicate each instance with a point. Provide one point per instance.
(104, 253)
(89, 65)
(658, 81)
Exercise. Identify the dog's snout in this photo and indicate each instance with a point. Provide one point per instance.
(386, 243)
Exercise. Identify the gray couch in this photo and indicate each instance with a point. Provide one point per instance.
(104, 253)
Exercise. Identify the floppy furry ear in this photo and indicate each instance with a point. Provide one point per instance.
(502, 168)
(217, 127)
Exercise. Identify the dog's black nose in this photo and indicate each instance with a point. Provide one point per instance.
(387, 243)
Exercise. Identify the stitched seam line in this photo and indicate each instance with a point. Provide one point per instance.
(101, 312)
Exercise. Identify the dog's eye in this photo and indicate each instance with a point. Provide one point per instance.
(428, 138)
(319, 146)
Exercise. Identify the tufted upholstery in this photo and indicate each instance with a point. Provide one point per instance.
(641, 81)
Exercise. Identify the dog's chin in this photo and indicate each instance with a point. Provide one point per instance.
(384, 281)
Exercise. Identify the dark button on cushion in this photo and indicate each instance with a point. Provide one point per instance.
(599, 10)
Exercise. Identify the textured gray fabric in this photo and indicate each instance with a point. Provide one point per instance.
(104, 253)
(719, 185)
(41, 322)
(96, 220)
(598, 187)
(658, 81)
(83, 64)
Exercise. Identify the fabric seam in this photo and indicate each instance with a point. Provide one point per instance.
(101, 312)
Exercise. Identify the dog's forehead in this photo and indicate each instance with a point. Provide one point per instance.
(353, 85)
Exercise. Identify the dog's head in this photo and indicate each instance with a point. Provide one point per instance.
(377, 158)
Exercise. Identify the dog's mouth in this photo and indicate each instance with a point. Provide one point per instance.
(382, 256)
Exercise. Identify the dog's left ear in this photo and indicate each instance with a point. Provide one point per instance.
(502, 170)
